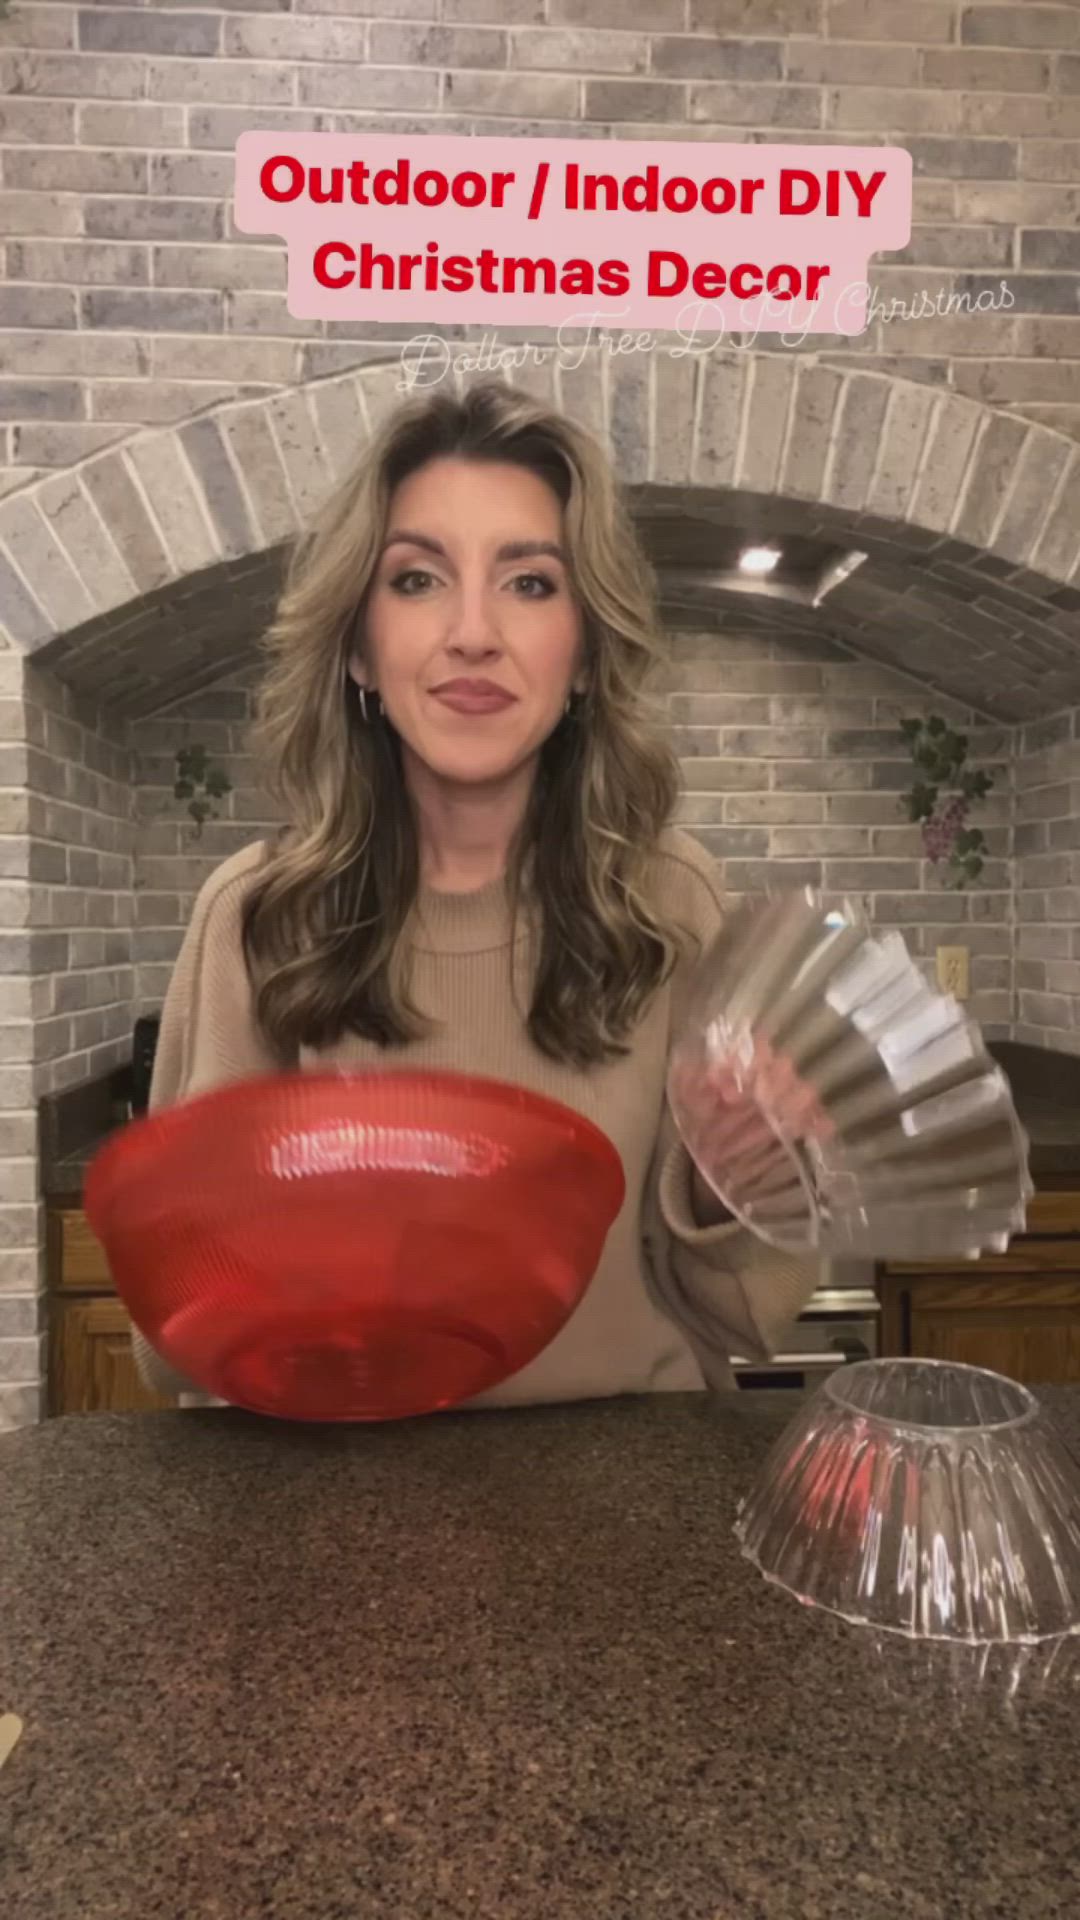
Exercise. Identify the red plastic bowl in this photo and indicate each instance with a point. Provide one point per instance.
(354, 1246)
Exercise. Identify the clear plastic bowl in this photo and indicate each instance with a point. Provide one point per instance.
(923, 1498)
(835, 1102)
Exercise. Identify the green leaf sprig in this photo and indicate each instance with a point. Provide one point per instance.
(941, 798)
(200, 784)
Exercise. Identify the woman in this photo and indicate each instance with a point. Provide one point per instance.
(478, 871)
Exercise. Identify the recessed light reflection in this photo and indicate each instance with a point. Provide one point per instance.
(759, 559)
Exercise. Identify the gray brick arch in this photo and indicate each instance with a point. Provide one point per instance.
(140, 575)
(97, 553)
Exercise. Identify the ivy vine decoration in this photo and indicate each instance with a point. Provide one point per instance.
(944, 791)
(199, 784)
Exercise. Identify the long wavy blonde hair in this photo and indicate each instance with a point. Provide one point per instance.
(325, 923)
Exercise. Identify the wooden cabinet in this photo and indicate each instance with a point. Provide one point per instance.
(1028, 1330)
(1016, 1312)
(91, 1366)
(76, 1257)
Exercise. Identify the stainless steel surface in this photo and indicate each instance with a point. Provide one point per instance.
(816, 1363)
(843, 1301)
(837, 1274)
(840, 1324)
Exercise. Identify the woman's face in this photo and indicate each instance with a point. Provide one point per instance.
(472, 637)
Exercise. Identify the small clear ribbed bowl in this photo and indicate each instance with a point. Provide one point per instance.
(924, 1498)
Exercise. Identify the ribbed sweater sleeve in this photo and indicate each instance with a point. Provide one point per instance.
(729, 1291)
(209, 1034)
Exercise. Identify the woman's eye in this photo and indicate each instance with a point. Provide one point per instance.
(541, 580)
(410, 573)
(527, 586)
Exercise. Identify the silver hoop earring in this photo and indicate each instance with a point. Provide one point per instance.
(369, 718)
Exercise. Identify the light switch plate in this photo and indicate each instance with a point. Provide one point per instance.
(954, 971)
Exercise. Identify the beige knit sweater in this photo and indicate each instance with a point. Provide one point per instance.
(670, 1300)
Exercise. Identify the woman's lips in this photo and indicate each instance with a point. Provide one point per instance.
(474, 696)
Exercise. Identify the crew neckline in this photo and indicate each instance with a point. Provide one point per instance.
(469, 922)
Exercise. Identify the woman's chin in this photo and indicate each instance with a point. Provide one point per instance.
(474, 770)
(472, 763)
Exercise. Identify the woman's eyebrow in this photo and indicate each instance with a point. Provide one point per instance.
(510, 550)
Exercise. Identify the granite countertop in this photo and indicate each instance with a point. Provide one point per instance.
(487, 1666)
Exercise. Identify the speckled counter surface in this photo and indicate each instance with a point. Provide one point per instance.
(486, 1667)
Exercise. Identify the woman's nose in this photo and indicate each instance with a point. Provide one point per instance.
(473, 630)
(472, 646)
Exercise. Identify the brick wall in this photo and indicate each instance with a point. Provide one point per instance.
(1047, 879)
(128, 297)
(172, 859)
(66, 981)
(791, 769)
(20, 1212)
(81, 779)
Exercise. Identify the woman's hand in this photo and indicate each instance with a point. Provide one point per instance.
(735, 1104)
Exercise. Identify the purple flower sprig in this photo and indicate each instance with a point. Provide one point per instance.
(942, 796)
